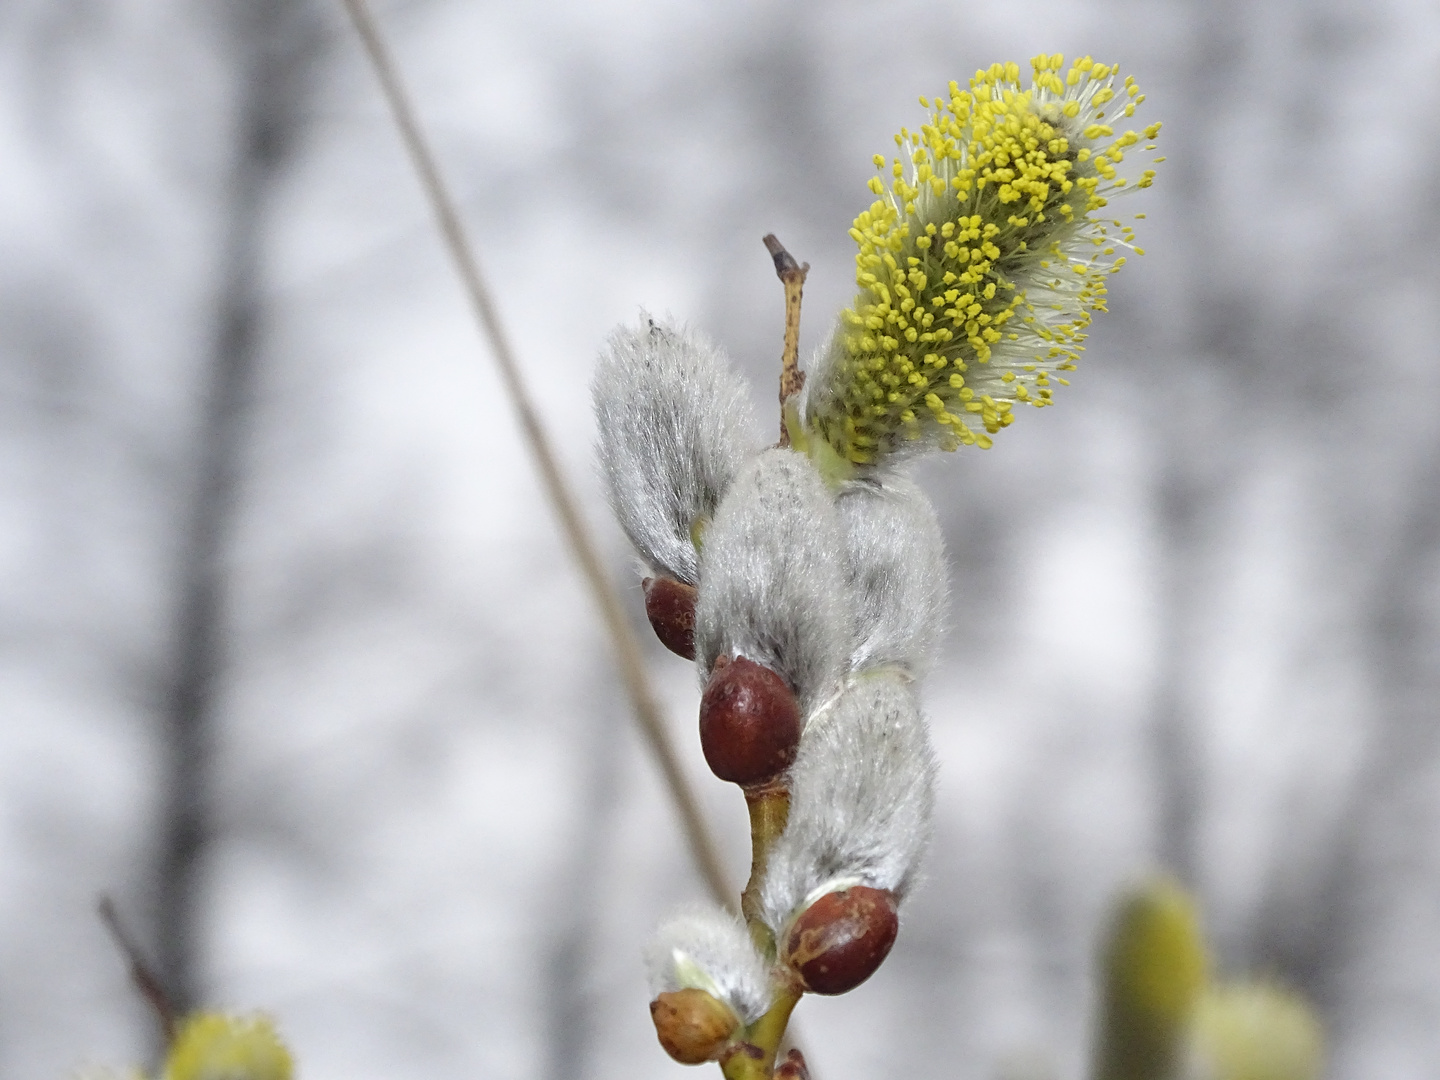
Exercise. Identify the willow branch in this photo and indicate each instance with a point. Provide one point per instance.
(552, 479)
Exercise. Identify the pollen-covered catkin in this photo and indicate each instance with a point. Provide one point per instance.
(982, 261)
(861, 799)
(218, 1046)
(705, 948)
(675, 424)
(771, 587)
(895, 563)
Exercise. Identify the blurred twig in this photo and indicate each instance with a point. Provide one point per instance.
(141, 974)
(557, 488)
(276, 45)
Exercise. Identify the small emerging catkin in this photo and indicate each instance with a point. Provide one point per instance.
(1153, 971)
(861, 799)
(706, 948)
(771, 587)
(675, 424)
(895, 562)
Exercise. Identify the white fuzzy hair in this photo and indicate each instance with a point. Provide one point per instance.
(861, 799)
(675, 424)
(895, 562)
(772, 588)
(706, 948)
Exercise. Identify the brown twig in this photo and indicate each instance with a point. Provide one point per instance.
(792, 276)
(768, 814)
(557, 488)
(141, 974)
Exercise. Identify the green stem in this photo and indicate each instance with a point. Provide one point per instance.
(769, 807)
(754, 1059)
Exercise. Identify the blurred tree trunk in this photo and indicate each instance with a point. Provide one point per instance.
(1315, 933)
(1197, 463)
(274, 47)
(1317, 920)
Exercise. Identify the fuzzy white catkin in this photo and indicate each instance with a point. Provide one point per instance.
(861, 799)
(895, 562)
(705, 948)
(771, 586)
(675, 424)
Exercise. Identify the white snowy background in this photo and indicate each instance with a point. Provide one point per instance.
(1195, 605)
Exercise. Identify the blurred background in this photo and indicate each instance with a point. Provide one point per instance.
(295, 666)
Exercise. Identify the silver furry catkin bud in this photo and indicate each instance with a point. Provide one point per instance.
(675, 424)
(771, 587)
(705, 948)
(895, 562)
(861, 800)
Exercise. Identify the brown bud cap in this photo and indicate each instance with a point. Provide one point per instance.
(793, 1067)
(749, 722)
(692, 1025)
(841, 939)
(670, 604)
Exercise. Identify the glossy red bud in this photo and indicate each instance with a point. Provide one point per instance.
(749, 722)
(670, 604)
(692, 1025)
(842, 938)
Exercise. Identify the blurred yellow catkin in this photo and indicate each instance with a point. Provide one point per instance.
(215, 1046)
(1153, 973)
(1254, 1031)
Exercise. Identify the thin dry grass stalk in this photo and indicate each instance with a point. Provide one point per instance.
(556, 486)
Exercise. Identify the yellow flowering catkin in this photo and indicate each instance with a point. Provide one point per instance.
(215, 1046)
(981, 262)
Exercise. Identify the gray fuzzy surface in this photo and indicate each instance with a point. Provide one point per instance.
(772, 581)
(705, 948)
(861, 798)
(898, 577)
(675, 424)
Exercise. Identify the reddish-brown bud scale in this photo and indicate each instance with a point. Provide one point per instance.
(749, 722)
(670, 605)
(842, 938)
(792, 1068)
(692, 1025)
